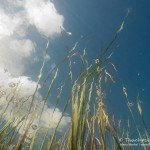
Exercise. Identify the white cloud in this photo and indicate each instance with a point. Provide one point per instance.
(14, 49)
(8, 24)
(22, 89)
(41, 14)
(16, 52)
(15, 18)
(50, 119)
(23, 86)
(44, 16)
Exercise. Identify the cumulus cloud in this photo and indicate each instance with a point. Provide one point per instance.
(8, 24)
(16, 95)
(41, 14)
(16, 52)
(15, 18)
(44, 16)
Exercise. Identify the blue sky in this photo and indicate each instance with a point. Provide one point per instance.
(101, 18)
(25, 26)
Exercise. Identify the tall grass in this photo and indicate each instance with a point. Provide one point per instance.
(91, 126)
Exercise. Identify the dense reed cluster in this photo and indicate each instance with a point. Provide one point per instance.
(90, 126)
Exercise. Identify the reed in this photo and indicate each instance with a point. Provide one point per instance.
(91, 126)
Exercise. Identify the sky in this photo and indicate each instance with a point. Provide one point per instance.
(27, 25)
(100, 19)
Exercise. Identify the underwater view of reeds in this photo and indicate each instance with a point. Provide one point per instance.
(69, 105)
